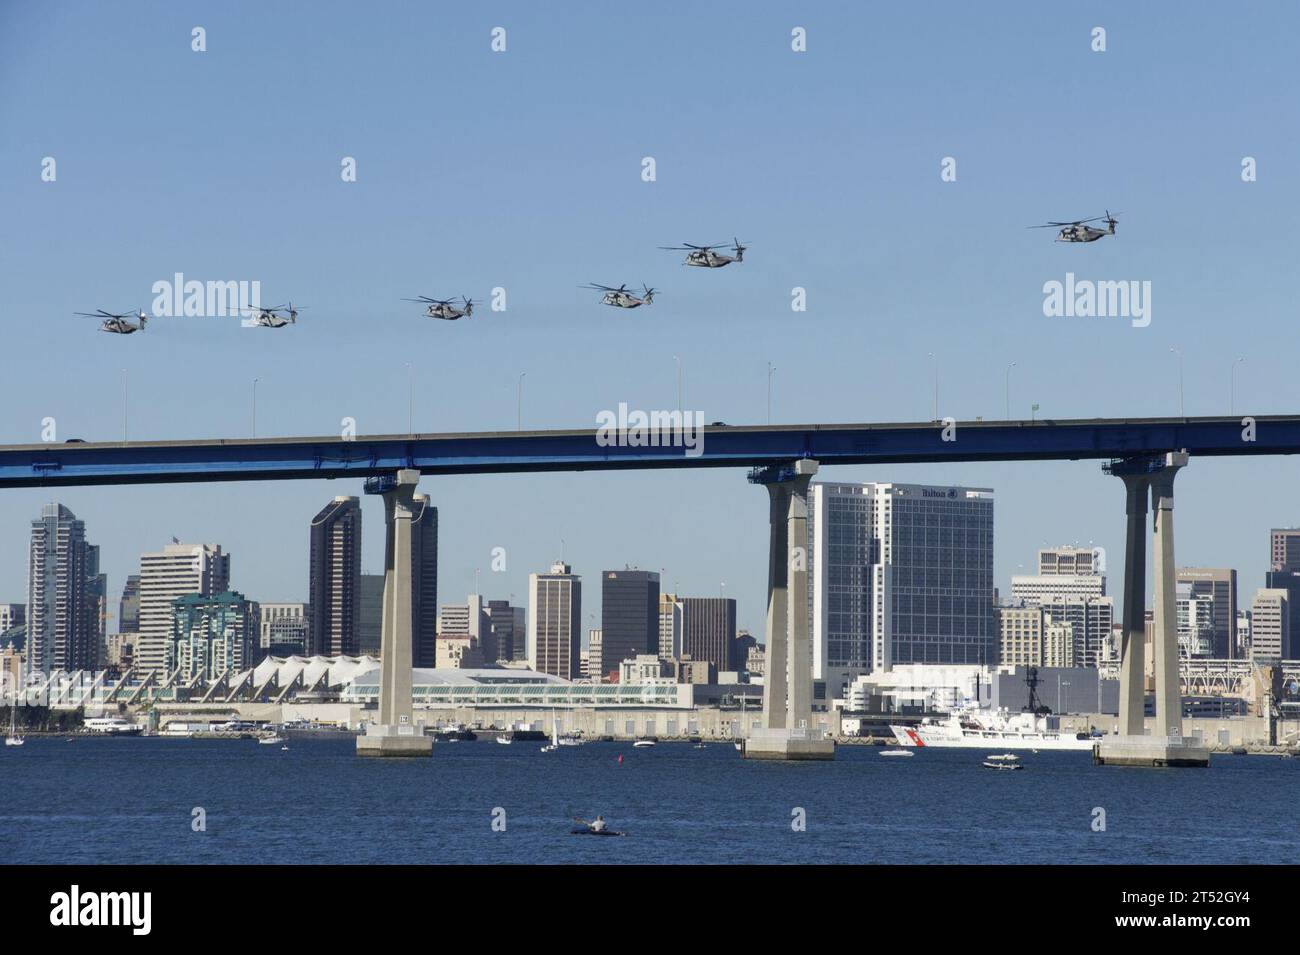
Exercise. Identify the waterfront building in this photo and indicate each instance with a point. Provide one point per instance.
(211, 635)
(424, 581)
(555, 620)
(1219, 585)
(1091, 620)
(629, 616)
(334, 578)
(370, 613)
(175, 571)
(458, 651)
(1196, 622)
(62, 600)
(898, 574)
(595, 663)
(645, 668)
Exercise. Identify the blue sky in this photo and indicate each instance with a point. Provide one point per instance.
(522, 170)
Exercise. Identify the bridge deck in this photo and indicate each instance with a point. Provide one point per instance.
(279, 459)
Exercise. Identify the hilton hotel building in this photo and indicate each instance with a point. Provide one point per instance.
(898, 573)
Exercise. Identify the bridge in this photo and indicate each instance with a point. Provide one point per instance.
(1145, 453)
(280, 459)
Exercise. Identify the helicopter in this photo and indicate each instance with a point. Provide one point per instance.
(1079, 230)
(277, 317)
(704, 257)
(621, 297)
(442, 307)
(119, 324)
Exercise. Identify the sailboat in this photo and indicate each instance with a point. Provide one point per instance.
(13, 739)
(555, 737)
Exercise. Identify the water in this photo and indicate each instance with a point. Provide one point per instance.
(131, 801)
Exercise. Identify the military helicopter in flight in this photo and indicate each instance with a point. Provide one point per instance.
(442, 307)
(704, 257)
(118, 324)
(621, 297)
(1079, 230)
(277, 317)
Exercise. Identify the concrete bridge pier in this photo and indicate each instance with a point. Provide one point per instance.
(396, 733)
(1166, 745)
(787, 731)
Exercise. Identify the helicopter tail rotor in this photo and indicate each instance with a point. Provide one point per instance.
(738, 249)
(648, 292)
(469, 306)
(144, 319)
(1111, 222)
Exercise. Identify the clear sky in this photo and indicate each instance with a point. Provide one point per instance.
(522, 170)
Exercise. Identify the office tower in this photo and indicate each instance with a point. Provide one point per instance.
(424, 582)
(506, 636)
(1068, 562)
(1030, 637)
(629, 616)
(1284, 548)
(283, 629)
(1026, 588)
(175, 571)
(370, 613)
(334, 586)
(1196, 621)
(1220, 585)
(554, 619)
(672, 625)
(61, 608)
(595, 662)
(710, 633)
(898, 573)
(212, 634)
(128, 609)
(96, 607)
(1288, 581)
(1243, 635)
(1090, 619)
(1270, 625)
(453, 620)
(745, 642)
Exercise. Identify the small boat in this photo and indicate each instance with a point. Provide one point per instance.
(740, 746)
(1005, 757)
(1003, 765)
(586, 831)
(504, 740)
(642, 743)
(699, 745)
(284, 748)
(13, 739)
(897, 752)
(270, 740)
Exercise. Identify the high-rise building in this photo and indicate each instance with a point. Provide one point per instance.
(370, 613)
(175, 571)
(629, 616)
(1196, 621)
(12, 615)
(898, 573)
(1027, 588)
(128, 609)
(1284, 548)
(506, 635)
(1090, 620)
(595, 666)
(283, 626)
(555, 620)
(1289, 582)
(62, 604)
(710, 632)
(212, 634)
(1270, 625)
(96, 606)
(424, 582)
(672, 625)
(1068, 562)
(1218, 584)
(334, 583)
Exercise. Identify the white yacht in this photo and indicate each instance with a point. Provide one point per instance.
(112, 726)
(13, 739)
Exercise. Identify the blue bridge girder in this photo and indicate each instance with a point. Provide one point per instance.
(758, 446)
